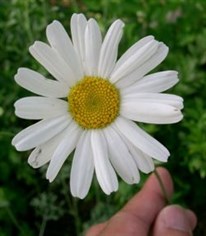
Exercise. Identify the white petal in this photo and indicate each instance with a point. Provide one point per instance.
(133, 49)
(156, 112)
(59, 40)
(52, 62)
(120, 157)
(143, 69)
(142, 160)
(155, 83)
(109, 49)
(82, 167)
(93, 41)
(78, 26)
(37, 83)
(37, 108)
(104, 171)
(141, 139)
(63, 150)
(163, 98)
(138, 58)
(43, 153)
(153, 113)
(40, 132)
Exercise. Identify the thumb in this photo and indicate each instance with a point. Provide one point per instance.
(174, 221)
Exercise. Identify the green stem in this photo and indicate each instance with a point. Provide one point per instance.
(14, 220)
(76, 216)
(73, 208)
(43, 226)
(167, 200)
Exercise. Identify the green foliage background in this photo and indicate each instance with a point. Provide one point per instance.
(28, 204)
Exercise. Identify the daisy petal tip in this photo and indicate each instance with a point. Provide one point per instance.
(166, 160)
(74, 15)
(92, 22)
(171, 72)
(49, 178)
(181, 117)
(164, 46)
(18, 72)
(81, 196)
(81, 18)
(110, 191)
(56, 22)
(159, 162)
(166, 157)
(15, 106)
(15, 111)
(16, 77)
(120, 22)
(21, 70)
(137, 180)
(30, 162)
(33, 164)
(76, 194)
(17, 146)
(107, 192)
(148, 171)
(150, 37)
(34, 46)
(13, 141)
(53, 24)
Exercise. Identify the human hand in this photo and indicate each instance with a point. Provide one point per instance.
(145, 214)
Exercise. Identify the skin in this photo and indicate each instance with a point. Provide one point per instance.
(146, 214)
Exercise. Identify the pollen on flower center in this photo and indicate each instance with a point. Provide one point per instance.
(94, 102)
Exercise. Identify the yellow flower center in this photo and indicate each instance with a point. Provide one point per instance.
(94, 102)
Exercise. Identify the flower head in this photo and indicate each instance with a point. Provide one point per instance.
(92, 105)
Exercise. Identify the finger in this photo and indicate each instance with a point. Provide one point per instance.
(140, 212)
(192, 218)
(175, 221)
(96, 229)
(150, 200)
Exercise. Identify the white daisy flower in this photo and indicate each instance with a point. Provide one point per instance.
(93, 103)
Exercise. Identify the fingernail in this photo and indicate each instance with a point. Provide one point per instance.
(175, 217)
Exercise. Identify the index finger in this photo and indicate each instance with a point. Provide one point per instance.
(139, 213)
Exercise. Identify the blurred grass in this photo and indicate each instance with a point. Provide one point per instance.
(28, 204)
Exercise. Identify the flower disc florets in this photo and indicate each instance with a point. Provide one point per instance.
(94, 102)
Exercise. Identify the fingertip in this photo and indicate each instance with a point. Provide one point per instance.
(95, 230)
(174, 220)
(154, 184)
(146, 204)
